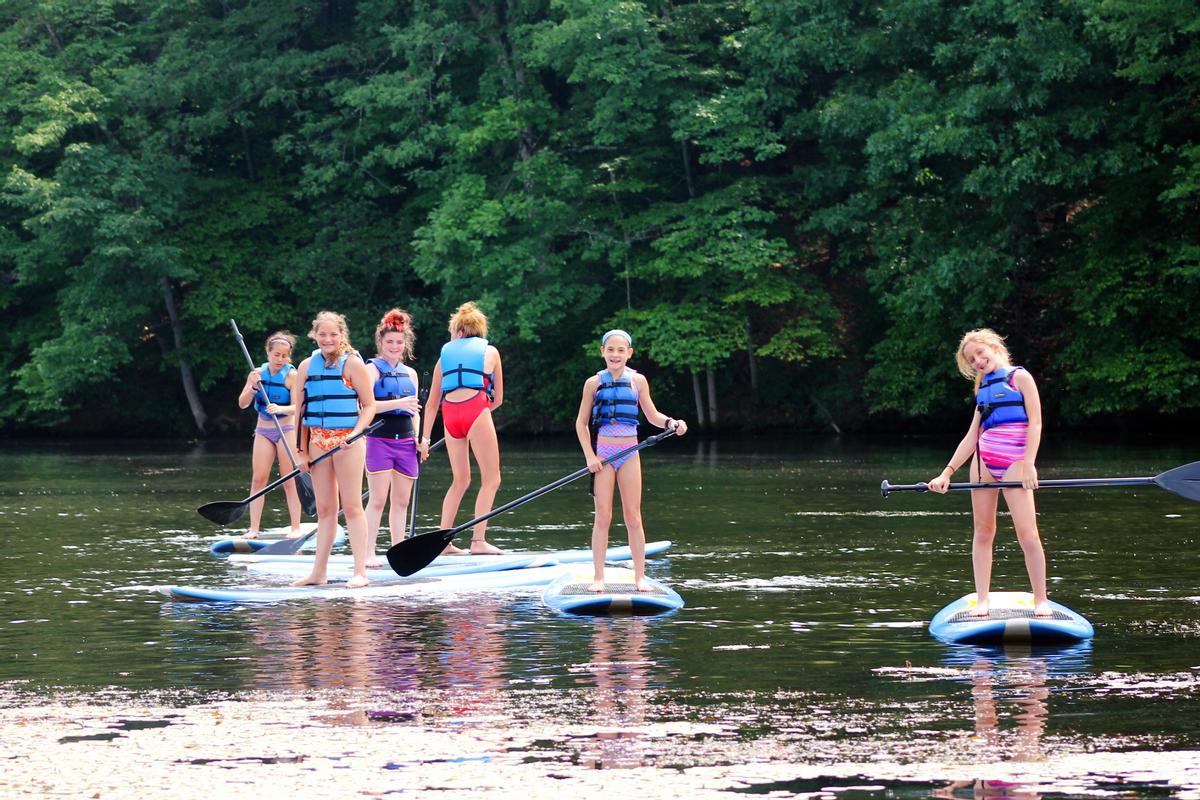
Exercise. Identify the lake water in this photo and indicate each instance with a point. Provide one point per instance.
(801, 665)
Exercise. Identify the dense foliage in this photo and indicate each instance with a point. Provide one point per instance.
(796, 207)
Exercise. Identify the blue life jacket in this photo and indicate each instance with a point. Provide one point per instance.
(328, 402)
(462, 365)
(998, 401)
(616, 399)
(276, 389)
(393, 382)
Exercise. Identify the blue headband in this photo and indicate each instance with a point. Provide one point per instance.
(616, 332)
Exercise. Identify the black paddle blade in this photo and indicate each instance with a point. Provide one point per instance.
(308, 500)
(286, 547)
(1183, 481)
(223, 512)
(418, 552)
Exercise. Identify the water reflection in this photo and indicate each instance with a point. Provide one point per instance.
(619, 674)
(1010, 684)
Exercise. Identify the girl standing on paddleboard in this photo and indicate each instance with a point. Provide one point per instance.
(392, 463)
(609, 409)
(333, 387)
(275, 377)
(467, 386)
(1002, 445)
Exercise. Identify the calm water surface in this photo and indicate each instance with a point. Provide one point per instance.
(801, 665)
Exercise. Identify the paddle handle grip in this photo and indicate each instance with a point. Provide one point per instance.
(563, 481)
(1067, 483)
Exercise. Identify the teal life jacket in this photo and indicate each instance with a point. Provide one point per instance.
(394, 382)
(1000, 402)
(328, 402)
(275, 387)
(462, 365)
(616, 399)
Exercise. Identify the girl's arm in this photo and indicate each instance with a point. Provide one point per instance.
(360, 379)
(962, 454)
(653, 415)
(434, 401)
(497, 376)
(246, 396)
(583, 421)
(1027, 386)
(298, 402)
(403, 403)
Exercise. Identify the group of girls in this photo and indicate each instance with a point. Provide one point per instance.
(334, 395)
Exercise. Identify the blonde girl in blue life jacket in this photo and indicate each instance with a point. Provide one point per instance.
(610, 403)
(276, 378)
(1001, 444)
(333, 391)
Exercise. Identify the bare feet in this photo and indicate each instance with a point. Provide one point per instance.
(596, 586)
(1043, 609)
(357, 582)
(296, 533)
(482, 548)
(642, 586)
(451, 550)
(373, 563)
(251, 535)
(312, 579)
(980, 609)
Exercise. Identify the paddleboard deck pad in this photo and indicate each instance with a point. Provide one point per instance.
(1010, 619)
(569, 593)
(240, 544)
(468, 579)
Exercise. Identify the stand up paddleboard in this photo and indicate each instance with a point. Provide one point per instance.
(569, 594)
(467, 578)
(239, 544)
(1010, 619)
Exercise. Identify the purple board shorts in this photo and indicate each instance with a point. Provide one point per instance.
(396, 455)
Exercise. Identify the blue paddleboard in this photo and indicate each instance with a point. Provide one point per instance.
(239, 544)
(1010, 619)
(467, 578)
(569, 594)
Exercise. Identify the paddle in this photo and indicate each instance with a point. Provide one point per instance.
(413, 555)
(308, 500)
(224, 512)
(1183, 481)
(412, 517)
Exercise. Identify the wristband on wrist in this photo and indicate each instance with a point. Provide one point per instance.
(949, 467)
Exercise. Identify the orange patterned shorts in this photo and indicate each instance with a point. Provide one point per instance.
(328, 438)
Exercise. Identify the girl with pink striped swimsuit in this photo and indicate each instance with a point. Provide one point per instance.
(1001, 444)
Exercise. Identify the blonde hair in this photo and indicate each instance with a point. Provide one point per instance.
(985, 336)
(469, 321)
(396, 321)
(339, 321)
(284, 337)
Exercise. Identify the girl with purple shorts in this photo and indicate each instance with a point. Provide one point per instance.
(275, 378)
(609, 408)
(1002, 445)
(392, 463)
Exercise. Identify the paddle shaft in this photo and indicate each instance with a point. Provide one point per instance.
(412, 517)
(266, 398)
(1075, 483)
(574, 476)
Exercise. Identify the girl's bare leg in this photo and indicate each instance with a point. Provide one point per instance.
(1024, 513)
(629, 480)
(349, 464)
(262, 456)
(486, 447)
(983, 511)
(326, 491)
(460, 470)
(378, 485)
(606, 479)
(289, 489)
(398, 512)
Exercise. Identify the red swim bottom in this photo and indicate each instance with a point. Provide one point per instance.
(457, 418)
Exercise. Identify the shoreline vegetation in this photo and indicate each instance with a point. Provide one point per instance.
(798, 210)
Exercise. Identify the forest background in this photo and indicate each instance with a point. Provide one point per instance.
(796, 207)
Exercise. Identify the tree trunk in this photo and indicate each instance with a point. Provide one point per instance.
(753, 367)
(712, 396)
(185, 366)
(699, 400)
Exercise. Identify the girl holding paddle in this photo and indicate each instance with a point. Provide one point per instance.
(334, 388)
(1001, 444)
(275, 378)
(467, 385)
(392, 463)
(609, 409)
